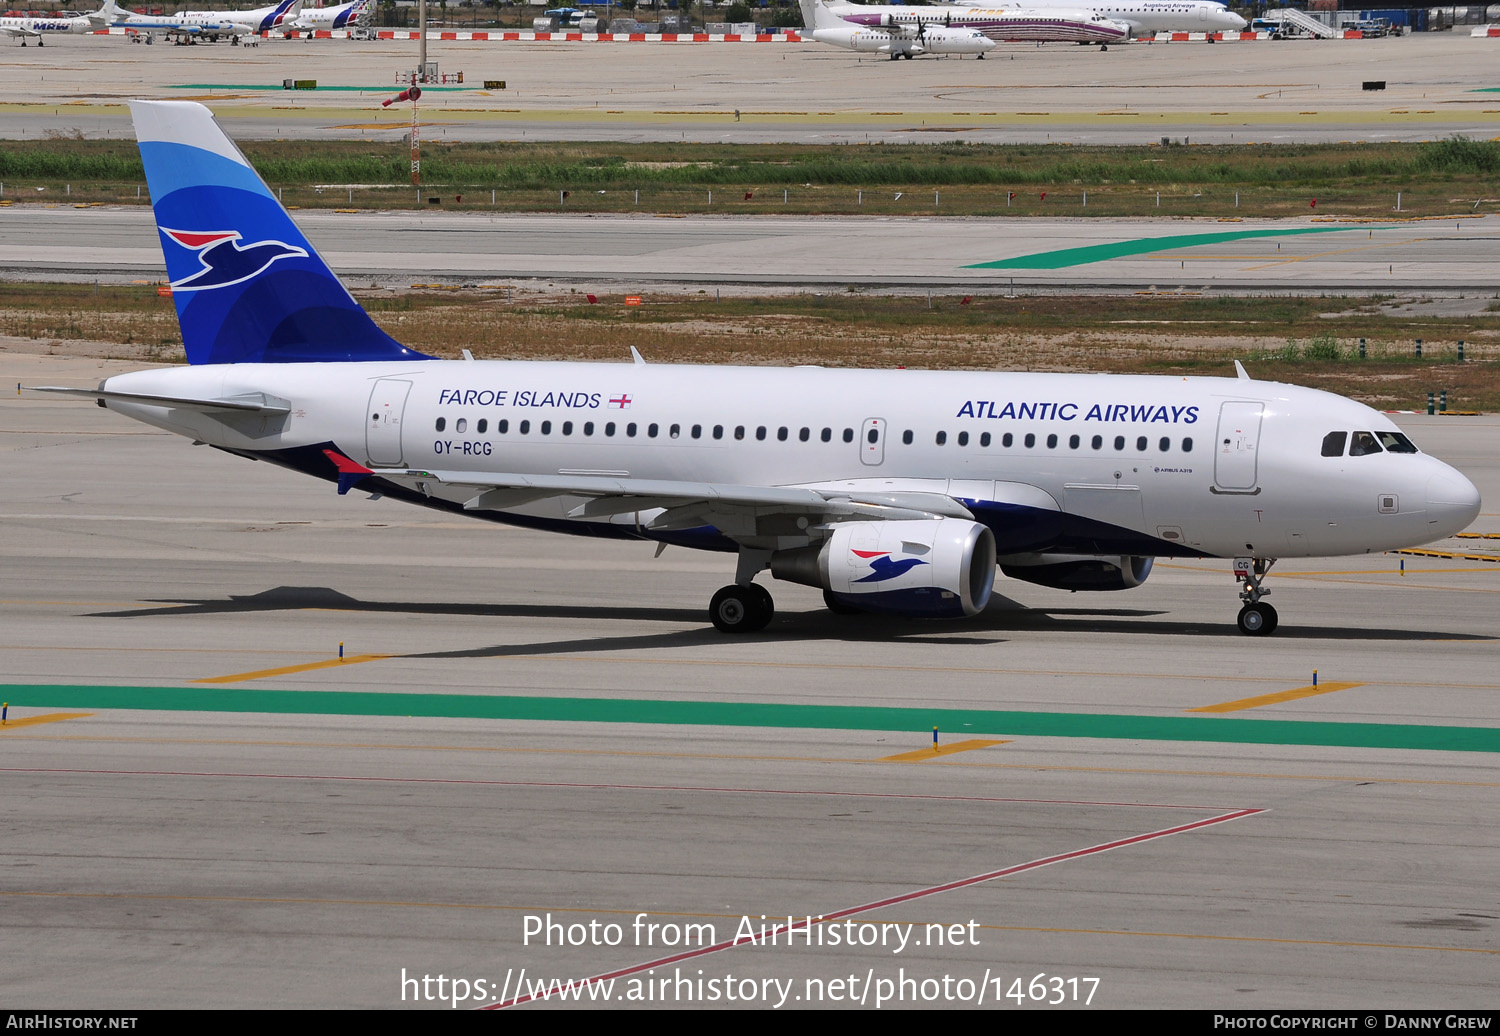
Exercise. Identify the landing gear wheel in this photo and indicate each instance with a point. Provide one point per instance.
(1257, 620)
(765, 608)
(741, 609)
(837, 606)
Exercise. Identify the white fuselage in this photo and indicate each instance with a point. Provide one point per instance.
(27, 28)
(936, 40)
(262, 19)
(1053, 25)
(1094, 463)
(1146, 17)
(342, 16)
(196, 24)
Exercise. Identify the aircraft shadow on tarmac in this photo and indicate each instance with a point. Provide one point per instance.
(1001, 617)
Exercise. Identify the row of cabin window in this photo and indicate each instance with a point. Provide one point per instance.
(1075, 442)
(502, 427)
(1007, 440)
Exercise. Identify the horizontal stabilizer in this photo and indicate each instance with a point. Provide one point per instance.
(250, 402)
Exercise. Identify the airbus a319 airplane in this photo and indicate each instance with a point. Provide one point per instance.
(893, 491)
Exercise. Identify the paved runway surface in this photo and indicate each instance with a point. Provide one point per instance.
(401, 248)
(528, 725)
(1265, 91)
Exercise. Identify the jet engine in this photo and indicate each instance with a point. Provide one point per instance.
(1078, 571)
(937, 568)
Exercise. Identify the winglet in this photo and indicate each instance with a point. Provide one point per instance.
(635, 354)
(1239, 371)
(351, 473)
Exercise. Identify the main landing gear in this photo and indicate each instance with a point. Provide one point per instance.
(1256, 618)
(741, 609)
(744, 606)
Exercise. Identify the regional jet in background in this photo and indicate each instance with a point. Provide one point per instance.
(313, 19)
(25, 29)
(263, 19)
(900, 41)
(1148, 17)
(894, 491)
(1053, 25)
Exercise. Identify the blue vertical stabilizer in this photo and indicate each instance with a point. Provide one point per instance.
(249, 288)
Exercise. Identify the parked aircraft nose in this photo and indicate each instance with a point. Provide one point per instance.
(1452, 502)
(1236, 22)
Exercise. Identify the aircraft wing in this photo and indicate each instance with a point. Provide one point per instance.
(740, 512)
(19, 31)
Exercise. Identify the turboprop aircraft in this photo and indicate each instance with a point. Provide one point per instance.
(24, 29)
(898, 41)
(190, 26)
(893, 491)
(263, 19)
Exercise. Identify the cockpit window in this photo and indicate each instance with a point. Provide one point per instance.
(1395, 442)
(1362, 444)
(1333, 444)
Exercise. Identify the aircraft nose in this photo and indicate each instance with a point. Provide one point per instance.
(1242, 23)
(1452, 501)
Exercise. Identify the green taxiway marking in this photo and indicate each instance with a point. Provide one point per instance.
(737, 714)
(1136, 246)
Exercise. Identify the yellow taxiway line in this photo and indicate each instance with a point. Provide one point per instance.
(50, 717)
(284, 670)
(922, 755)
(1277, 698)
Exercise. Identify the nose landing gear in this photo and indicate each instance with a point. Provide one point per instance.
(1256, 618)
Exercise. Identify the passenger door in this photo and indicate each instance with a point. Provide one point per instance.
(383, 425)
(1235, 448)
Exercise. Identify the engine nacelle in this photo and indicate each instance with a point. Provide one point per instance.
(1079, 571)
(938, 568)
